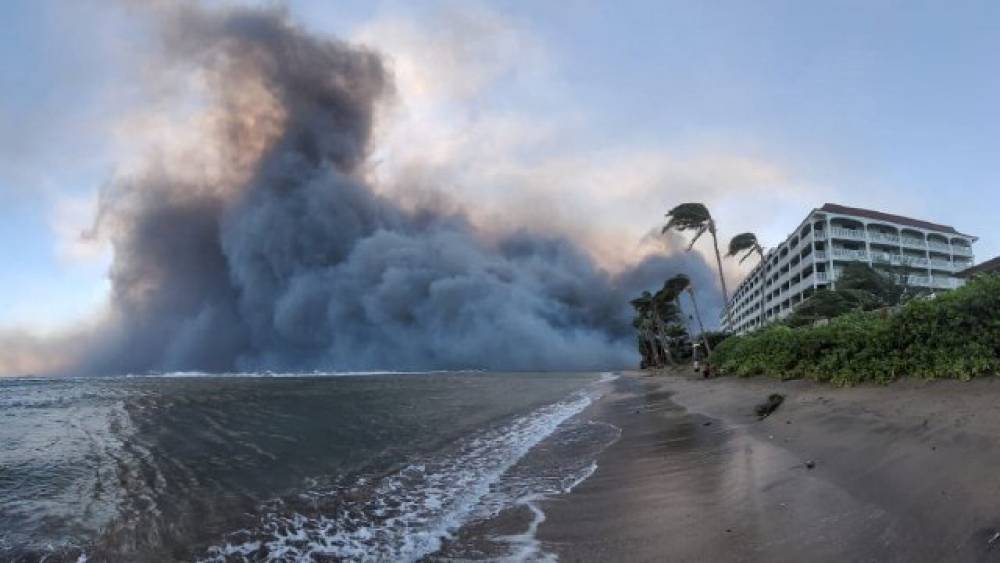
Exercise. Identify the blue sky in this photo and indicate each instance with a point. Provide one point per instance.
(602, 114)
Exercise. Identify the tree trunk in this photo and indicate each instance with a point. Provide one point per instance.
(701, 325)
(722, 277)
(687, 324)
(654, 353)
(668, 358)
(645, 350)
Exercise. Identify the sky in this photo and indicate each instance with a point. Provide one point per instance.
(587, 118)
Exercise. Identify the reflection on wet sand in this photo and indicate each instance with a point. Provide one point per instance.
(696, 476)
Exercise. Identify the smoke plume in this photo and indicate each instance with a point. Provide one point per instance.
(259, 243)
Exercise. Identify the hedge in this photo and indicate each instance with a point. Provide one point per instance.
(954, 335)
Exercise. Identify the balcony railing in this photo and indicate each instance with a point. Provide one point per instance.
(819, 234)
(941, 264)
(883, 237)
(840, 232)
(898, 259)
(885, 258)
(820, 255)
(821, 277)
(849, 254)
(944, 247)
(944, 283)
(918, 280)
(962, 250)
(910, 241)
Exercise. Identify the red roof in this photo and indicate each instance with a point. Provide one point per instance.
(879, 216)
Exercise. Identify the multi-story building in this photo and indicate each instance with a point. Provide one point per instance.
(919, 253)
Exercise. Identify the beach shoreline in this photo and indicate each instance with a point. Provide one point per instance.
(904, 472)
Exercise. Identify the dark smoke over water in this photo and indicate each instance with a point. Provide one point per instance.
(287, 259)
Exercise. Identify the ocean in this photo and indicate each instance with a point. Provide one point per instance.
(285, 467)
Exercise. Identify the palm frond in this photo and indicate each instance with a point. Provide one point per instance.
(677, 284)
(687, 216)
(697, 236)
(642, 302)
(742, 242)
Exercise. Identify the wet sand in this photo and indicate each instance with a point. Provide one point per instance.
(907, 472)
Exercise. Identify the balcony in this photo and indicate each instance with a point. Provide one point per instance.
(944, 283)
(847, 254)
(840, 232)
(821, 277)
(941, 264)
(918, 280)
(912, 242)
(819, 256)
(961, 250)
(885, 258)
(882, 237)
(898, 259)
(942, 246)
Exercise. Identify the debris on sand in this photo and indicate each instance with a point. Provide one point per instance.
(810, 464)
(772, 403)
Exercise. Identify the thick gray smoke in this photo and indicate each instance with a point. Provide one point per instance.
(287, 259)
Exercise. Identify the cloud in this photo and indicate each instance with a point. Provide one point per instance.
(539, 160)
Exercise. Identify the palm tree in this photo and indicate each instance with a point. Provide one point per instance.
(665, 311)
(695, 217)
(643, 323)
(745, 242)
(680, 284)
(748, 244)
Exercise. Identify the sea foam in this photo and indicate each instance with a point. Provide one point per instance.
(411, 512)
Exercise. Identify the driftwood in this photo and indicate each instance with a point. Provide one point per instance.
(772, 403)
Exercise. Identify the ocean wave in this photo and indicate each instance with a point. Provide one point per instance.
(409, 513)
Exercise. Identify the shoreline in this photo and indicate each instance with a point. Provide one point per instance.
(903, 472)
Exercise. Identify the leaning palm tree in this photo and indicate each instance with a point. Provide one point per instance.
(748, 244)
(695, 217)
(680, 284)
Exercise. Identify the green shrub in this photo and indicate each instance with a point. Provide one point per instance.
(955, 335)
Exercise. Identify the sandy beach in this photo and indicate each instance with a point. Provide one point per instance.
(906, 472)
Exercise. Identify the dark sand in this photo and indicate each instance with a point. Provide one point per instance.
(907, 472)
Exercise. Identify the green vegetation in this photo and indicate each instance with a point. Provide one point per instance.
(953, 335)
(661, 336)
(859, 288)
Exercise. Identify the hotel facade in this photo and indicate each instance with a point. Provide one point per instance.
(920, 253)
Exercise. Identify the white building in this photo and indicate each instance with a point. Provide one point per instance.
(923, 254)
